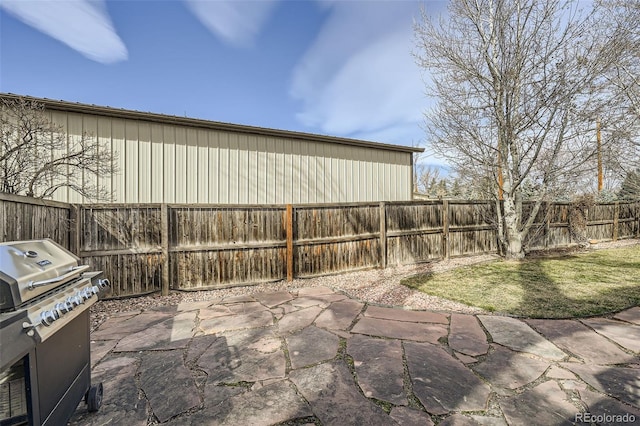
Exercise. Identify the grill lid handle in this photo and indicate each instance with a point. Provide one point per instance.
(72, 272)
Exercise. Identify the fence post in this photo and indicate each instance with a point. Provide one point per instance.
(445, 229)
(75, 228)
(616, 214)
(383, 235)
(289, 228)
(164, 234)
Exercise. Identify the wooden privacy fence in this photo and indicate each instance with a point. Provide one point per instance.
(158, 247)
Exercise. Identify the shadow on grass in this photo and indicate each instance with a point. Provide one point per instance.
(542, 287)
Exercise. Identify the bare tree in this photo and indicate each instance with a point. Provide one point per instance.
(37, 157)
(518, 85)
(621, 120)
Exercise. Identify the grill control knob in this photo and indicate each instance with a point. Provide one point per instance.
(48, 317)
(64, 307)
(86, 293)
(80, 297)
(74, 301)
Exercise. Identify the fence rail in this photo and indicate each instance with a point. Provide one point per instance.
(145, 248)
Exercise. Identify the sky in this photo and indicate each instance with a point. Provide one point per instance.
(332, 67)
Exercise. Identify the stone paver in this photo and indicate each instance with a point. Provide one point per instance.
(237, 322)
(122, 403)
(560, 373)
(405, 315)
(419, 332)
(246, 356)
(622, 383)
(631, 315)
(508, 369)
(273, 299)
(168, 394)
(581, 341)
(406, 416)
(625, 335)
(339, 315)
(441, 382)
(100, 348)
(268, 405)
(379, 367)
(173, 333)
(598, 404)
(310, 346)
(329, 386)
(298, 320)
(518, 336)
(315, 356)
(124, 325)
(545, 404)
(466, 335)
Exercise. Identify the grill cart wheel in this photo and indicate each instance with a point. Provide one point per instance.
(93, 398)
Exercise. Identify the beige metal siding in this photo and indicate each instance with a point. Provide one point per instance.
(174, 163)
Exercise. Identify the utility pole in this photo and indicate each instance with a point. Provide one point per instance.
(599, 155)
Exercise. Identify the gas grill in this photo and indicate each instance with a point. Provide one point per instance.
(45, 368)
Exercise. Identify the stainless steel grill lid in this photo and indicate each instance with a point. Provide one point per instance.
(31, 268)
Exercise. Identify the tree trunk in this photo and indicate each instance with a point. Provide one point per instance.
(514, 248)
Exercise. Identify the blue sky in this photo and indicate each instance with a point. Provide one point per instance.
(340, 68)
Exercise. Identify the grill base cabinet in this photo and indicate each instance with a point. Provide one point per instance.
(56, 376)
(45, 358)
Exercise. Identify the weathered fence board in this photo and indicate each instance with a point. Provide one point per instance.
(24, 218)
(146, 248)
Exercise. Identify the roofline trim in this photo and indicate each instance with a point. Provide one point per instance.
(206, 124)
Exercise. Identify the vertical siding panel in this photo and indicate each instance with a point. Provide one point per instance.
(386, 195)
(192, 165)
(118, 180)
(60, 118)
(74, 134)
(262, 172)
(105, 141)
(90, 130)
(181, 164)
(279, 169)
(270, 181)
(298, 184)
(304, 172)
(252, 170)
(333, 178)
(144, 162)
(313, 175)
(203, 166)
(320, 174)
(214, 158)
(157, 164)
(223, 166)
(289, 196)
(355, 174)
(345, 182)
(234, 173)
(169, 164)
(131, 161)
(244, 179)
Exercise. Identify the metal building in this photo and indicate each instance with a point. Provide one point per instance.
(161, 158)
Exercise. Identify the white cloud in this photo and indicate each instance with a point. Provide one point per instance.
(83, 25)
(359, 79)
(238, 22)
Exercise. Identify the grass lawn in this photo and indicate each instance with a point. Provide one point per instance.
(576, 285)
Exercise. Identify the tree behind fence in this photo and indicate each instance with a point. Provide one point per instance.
(154, 247)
